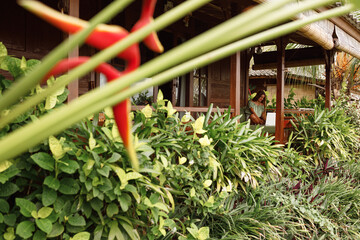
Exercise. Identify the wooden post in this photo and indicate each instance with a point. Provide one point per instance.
(244, 70)
(235, 83)
(74, 85)
(280, 82)
(329, 59)
(191, 89)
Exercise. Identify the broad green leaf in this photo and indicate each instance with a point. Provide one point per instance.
(115, 232)
(81, 236)
(96, 204)
(39, 235)
(107, 132)
(69, 186)
(8, 174)
(56, 147)
(130, 231)
(26, 206)
(68, 166)
(4, 206)
(134, 192)
(44, 212)
(49, 196)
(114, 158)
(25, 229)
(77, 221)
(98, 232)
(57, 230)
(45, 225)
(5, 165)
(10, 219)
(111, 210)
(52, 182)
(125, 202)
(1, 218)
(44, 161)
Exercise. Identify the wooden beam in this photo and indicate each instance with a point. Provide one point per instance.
(329, 59)
(280, 82)
(294, 58)
(298, 63)
(74, 85)
(235, 83)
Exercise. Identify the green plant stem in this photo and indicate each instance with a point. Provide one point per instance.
(105, 55)
(35, 132)
(26, 83)
(249, 22)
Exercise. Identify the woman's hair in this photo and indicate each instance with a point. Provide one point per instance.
(258, 95)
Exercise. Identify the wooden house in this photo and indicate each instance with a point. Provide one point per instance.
(222, 83)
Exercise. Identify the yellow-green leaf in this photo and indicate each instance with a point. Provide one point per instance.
(50, 102)
(207, 183)
(5, 165)
(147, 111)
(121, 174)
(203, 233)
(115, 133)
(44, 212)
(56, 147)
(34, 214)
(23, 64)
(182, 160)
(92, 142)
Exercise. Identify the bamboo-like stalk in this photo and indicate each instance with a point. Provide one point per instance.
(112, 51)
(249, 22)
(105, 55)
(26, 83)
(39, 130)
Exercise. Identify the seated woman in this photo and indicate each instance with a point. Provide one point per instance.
(255, 110)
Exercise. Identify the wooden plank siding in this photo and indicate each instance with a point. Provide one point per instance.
(219, 83)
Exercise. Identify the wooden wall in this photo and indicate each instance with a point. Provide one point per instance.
(219, 83)
(25, 34)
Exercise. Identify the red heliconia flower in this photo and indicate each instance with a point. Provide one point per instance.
(121, 110)
(102, 37)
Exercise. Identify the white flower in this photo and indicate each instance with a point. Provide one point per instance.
(205, 141)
